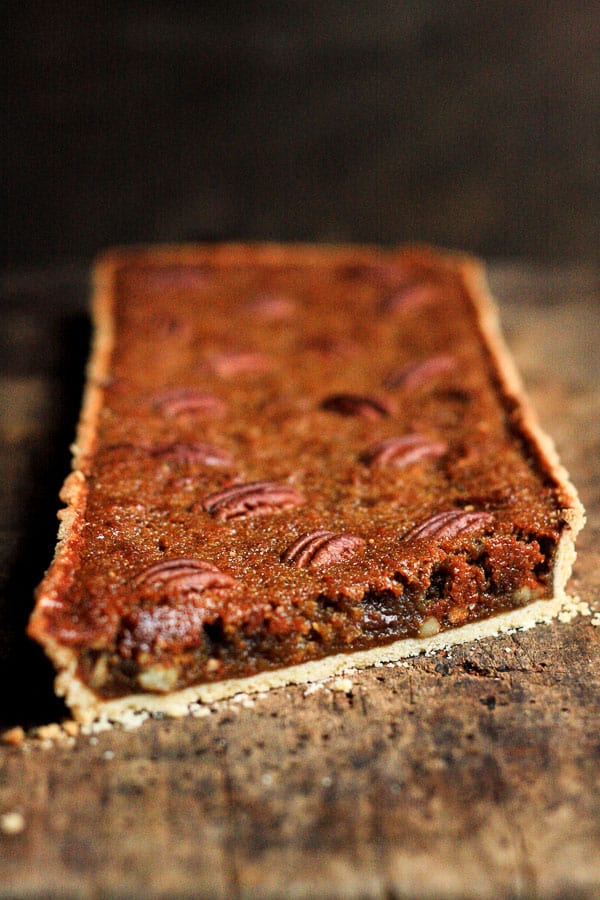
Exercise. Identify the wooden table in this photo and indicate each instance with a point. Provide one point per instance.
(471, 773)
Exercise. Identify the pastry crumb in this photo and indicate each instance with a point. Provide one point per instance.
(14, 736)
(342, 685)
(99, 725)
(12, 822)
(313, 688)
(574, 608)
(132, 722)
(51, 732)
(71, 727)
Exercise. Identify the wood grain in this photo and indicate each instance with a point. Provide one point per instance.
(470, 773)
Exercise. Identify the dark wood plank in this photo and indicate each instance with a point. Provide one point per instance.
(468, 773)
(465, 124)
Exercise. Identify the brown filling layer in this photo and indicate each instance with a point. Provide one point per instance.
(292, 462)
(490, 577)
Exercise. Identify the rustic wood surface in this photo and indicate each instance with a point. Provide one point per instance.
(472, 773)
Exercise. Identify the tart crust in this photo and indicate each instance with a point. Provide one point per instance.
(86, 705)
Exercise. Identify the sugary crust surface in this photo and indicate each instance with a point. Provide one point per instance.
(86, 706)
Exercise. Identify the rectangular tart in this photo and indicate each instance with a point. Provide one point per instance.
(292, 460)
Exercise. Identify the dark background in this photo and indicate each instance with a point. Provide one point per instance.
(468, 124)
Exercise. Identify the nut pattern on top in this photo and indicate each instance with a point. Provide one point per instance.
(402, 451)
(448, 524)
(231, 363)
(271, 306)
(189, 401)
(356, 405)
(409, 297)
(193, 452)
(184, 574)
(254, 498)
(321, 548)
(421, 373)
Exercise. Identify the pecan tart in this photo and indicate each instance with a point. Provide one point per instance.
(292, 460)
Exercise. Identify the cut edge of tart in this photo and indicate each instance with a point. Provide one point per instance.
(85, 704)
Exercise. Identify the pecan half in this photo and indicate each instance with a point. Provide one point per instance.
(207, 454)
(167, 628)
(189, 402)
(177, 618)
(271, 305)
(356, 405)
(416, 374)
(184, 574)
(321, 548)
(403, 451)
(252, 499)
(231, 363)
(409, 297)
(449, 524)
